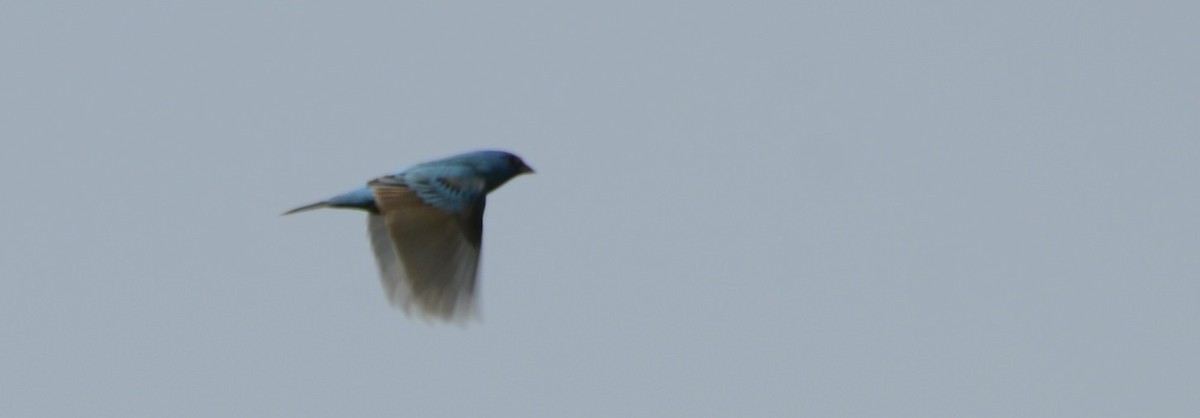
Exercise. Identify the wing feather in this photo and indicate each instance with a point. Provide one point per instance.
(428, 258)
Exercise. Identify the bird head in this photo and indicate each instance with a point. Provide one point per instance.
(496, 167)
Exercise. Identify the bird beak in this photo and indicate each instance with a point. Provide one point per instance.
(525, 169)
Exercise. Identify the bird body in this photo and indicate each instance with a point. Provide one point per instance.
(426, 228)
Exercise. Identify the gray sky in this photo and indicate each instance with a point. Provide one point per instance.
(835, 209)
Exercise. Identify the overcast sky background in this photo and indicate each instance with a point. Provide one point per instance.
(834, 209)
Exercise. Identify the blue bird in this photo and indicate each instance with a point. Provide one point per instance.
(426, 227)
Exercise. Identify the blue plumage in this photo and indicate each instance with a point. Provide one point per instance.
(426, 227)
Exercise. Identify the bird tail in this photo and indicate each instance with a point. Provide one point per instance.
(306, 208)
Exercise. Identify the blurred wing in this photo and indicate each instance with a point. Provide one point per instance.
(391, 271)
(427, 256)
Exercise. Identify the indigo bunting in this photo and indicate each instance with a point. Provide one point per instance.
(426, 227)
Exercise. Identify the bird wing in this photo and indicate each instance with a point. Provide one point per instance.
(427, 248)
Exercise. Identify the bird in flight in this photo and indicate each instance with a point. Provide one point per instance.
(426, 227)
